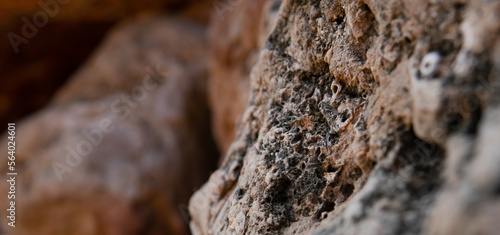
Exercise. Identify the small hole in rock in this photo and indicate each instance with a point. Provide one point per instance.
(331, 168)
(345, 116)
(339, 20)
(335, 89)
(346, 190)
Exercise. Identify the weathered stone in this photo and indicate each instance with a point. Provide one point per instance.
(126, 141)
(365, 117)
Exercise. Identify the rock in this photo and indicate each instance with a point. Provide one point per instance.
(365, 117)
(31, 76)
(44, 41)
(125, 142)
(89, 11)
(236, 34)
(106, 69)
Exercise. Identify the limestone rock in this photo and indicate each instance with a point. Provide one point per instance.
(365, 117)
(126, 141)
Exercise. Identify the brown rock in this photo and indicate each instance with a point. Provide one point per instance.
(87, 11)
(38, 59)
(237, 32)
(31, 76)
(120, 151)
(361, 114)
(104, 73)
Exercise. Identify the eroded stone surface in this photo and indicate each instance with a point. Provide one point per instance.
(361, 114)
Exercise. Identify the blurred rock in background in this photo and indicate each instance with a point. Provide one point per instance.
(126, 140)
(235, 38)
(332, 117)
(72, 30)
(97, 11)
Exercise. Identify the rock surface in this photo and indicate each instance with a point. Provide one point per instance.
(125, 142)
(364, 117)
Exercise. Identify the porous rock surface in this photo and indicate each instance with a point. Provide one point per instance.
(366, 117)
(124, 143)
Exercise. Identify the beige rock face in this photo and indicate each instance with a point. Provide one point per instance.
(365, 117)
(236, 35)
(124, 143)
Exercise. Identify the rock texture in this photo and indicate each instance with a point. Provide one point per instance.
(364, 117)
(125, 142)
